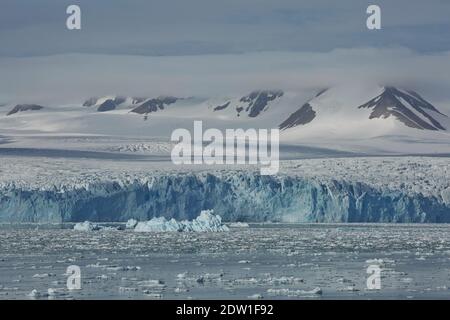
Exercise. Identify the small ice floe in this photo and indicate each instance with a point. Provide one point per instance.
(256, 296)
(44, 275)
(86, 226)
(284, 280)
(182, 276)
(128, 289)
(131, 224)
(239, 225)
(152, 284)
(103, 277)
(243, 261)
(55, 292)
(95, 265)
(152, 295)
(90, 226)
(34, 294)
(349, 289)
(131, 268)
(290, 265)
(375, 261)
(213, 276)
(114, 267)
(294, 293)
(181, 290)
(205, 222)
(343, 280)
(421, 258)
(246, 281)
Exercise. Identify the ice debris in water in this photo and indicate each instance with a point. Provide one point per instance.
(131, 224)
(205, 222)
(90, 226)
(239, 225)
(86, 226)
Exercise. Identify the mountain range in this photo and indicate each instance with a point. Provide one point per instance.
(343, 117)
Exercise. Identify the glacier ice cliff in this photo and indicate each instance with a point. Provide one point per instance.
(235, 196)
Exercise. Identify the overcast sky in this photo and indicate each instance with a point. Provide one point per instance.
(179, 27)
(208, 46)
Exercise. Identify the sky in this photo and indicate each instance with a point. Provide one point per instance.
(208, 46)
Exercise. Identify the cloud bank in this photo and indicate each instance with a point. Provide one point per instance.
(73, 77)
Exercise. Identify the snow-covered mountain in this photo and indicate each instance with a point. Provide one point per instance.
(154, 105)
(361, 118)
(110, 103)
(252, 104)
(407, 107)
(368, 118)
(24, 107)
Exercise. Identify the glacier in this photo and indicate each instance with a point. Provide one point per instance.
(381, 189)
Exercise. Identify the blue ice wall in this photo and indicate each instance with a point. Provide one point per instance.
(236, 197)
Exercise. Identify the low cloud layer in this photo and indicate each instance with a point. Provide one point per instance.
(73, 77)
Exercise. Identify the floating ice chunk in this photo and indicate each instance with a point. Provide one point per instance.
(285, 280)
(239, 225)
(246, 281)
(256, 296)
(181, 276)
(243, 261)
(152, 283)
(128, 289)
(34, 294)
(44, 275)
(316, 290)
(131, 224)
(159, 225)
(294, 293)
(205, 222)
(152, 295)
(86, 226)
(375, 261)
(90, 226)
(349, 288)
(55, 292)
(343, 280)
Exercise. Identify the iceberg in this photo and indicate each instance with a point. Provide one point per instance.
(86, 226)
(131, 224)
(239, 225)
(90, 226)
(205, 222)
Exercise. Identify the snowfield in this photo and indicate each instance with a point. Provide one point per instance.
(371, 189)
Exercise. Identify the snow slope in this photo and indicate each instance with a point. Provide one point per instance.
(358, 118)
(369, 119)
